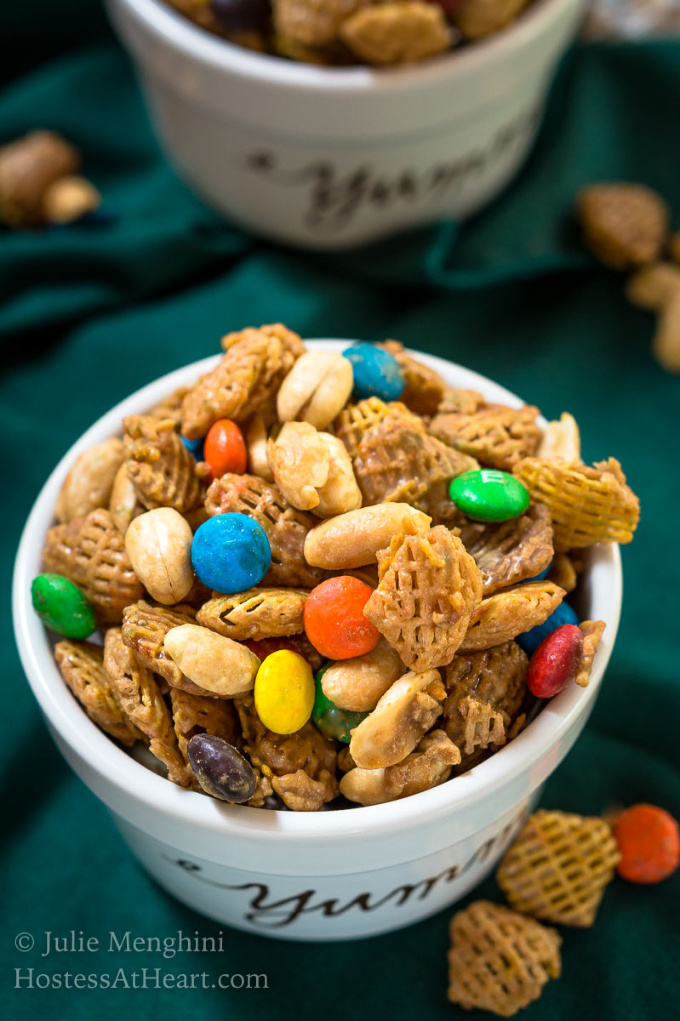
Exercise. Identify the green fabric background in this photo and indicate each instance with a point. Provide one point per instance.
(87, 316)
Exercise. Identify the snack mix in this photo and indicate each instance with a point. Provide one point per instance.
(346, 32)
(316, 577)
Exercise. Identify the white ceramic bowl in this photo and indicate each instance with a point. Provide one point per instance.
(326, 875)
(334, 157)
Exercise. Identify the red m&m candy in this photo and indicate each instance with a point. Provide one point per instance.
(555, 662)
(649, 842)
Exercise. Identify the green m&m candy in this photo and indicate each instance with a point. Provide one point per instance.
(62, 606)
(489, 495)
(332, 721)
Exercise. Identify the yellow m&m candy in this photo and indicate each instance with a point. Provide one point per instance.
(284, 692)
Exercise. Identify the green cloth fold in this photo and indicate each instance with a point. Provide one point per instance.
(89, 315)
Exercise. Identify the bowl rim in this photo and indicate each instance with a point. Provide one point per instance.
(181, 34)
(153, 792)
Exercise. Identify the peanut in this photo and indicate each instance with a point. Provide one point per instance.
(212, 661)
(400, 720)
(124, 503)
(354, 538)
(358, 684)
(158, 544)
(316, 389)
(256, 444)
(340, 493)
(88, 484)
(657, 288)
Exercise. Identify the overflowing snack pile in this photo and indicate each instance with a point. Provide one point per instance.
(341, 32)
(40, 185)
(556, 871)
(321, 573)
(628, 227)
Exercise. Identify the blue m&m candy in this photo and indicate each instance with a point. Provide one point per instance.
(230, 553)
(530, 640)
(377, 373)
(194, 447)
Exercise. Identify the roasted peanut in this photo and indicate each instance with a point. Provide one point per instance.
(124, 503)
(256, 443)
(354, 538)
(316, 388)
(428, 766)
(212, 661)
(300, 461)
(88, 484)
(69, 199)
(158, 544)
(358, 684)
(401, 718)
(340, 493)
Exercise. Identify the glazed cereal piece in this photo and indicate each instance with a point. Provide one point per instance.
(461, 401)
(285, 526)
(124, 503)
(282, 757)
(196, 714)
(257, 613)
(476, 19)
(429, 589)
(89, 483)
(484, 726)
(160, 466)
(592, 633)
(511, 551)
(398, 461)
(355, 420)
(139, 696)
(249, 374)
(558, 867)
(509, 613)
(561, 439)
(494, 434)
(316, 389)
(428, 766)
(495, 678)
(657, 287)
(563, 572)
(312, 23)
(400, 720)
(587, 505)
(424, 388)
(397, 33)
(28, 167)
(499, 960)
(170, 406)
(624, 225)
(144, 629)
(90, 552)
(313, 470)
(81, 666)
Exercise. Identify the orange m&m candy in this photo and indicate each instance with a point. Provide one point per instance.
(225, 449)
(649, 842)
(334, 618)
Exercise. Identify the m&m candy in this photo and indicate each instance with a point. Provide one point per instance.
(195, 447)
(334, 618)
(284, 692)
(649, 842)
(377, 373)
(220, 768)
(555, 662)
(62, 607)
(489, 495)
(225, 449)
(332, 721)
(230, 553)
